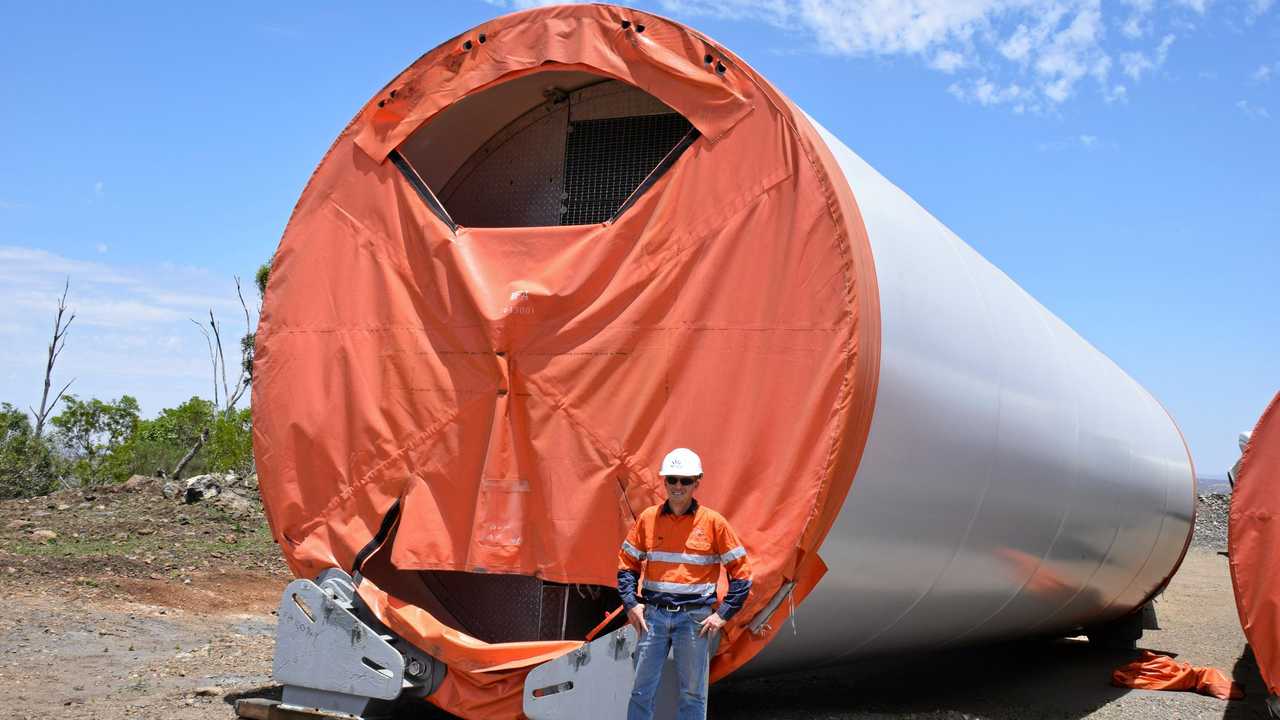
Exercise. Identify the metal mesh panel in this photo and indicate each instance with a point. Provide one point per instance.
(494, 608)
(515, 179)
(606, 160)
(613, 99)
(573, 160)
(517, 608)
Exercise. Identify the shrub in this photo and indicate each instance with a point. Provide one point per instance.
(27, 465)
(158, 444)
(91, 432)
(230, 445)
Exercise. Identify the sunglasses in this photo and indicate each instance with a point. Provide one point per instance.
(673, 480)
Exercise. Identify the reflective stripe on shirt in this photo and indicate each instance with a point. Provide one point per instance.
(685, 558)
(631, 550)
(733, 554)
(680, 588)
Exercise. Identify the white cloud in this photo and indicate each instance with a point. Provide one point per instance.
(19, 264)
(1138, 23)
(1258, 8)
(948, 61)
(985, 92)
(132, 332)
(1024, 54)
(1050, 50)
(1134, 27)
(101, 248)
(1136, 64)
(1253, 111)
(1115, 93)
(98, 188)
(1085, 141)
(1199, 6)
(1018, 46)
(1264, 72)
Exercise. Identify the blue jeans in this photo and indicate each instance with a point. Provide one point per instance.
(667, 630)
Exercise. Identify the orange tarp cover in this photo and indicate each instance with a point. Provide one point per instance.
(515, 388)
(1153, 671)
(1253, 544)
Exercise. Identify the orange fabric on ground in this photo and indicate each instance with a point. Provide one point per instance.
(1253, 544)
(732, 308)
(1161, 672)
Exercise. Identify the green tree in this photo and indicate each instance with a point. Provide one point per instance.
(230, 446)
(27, 466)
(90, 431)
(160, 443)
(247, 342)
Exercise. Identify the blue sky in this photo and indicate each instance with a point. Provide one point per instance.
(1118, 160)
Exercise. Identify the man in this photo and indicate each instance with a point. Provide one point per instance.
(684, 545)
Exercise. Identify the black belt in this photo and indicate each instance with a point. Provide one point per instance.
(678, 608)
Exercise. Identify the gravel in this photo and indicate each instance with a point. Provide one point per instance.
(1211, 521)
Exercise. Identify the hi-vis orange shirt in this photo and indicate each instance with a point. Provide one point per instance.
(681, 556)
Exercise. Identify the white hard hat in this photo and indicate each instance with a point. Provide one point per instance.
(683, 462)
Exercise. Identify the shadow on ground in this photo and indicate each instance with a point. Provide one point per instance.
(1245, 674)
(1026, 679)
(409, 710)
(1063, 679)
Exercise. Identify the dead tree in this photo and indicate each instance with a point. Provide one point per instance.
(55, 349)
(225, 396)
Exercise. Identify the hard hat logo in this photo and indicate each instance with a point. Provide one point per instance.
(681, 461)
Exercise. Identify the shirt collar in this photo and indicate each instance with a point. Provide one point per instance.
(666, 508)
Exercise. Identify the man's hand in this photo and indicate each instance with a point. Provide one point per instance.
(635, 616)
(711, 625)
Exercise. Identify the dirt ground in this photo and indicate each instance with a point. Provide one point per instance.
(143, 608)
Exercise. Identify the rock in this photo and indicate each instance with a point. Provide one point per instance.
(233, 502)
(1211, 521)
(64, 506)
(19, 524)
(171, 490)
(44, 536)
(208, 691)
(202, 487)
(136, 483)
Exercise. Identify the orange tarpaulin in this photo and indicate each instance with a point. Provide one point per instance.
(732, 308)
(1253, 544)
(1161, 672)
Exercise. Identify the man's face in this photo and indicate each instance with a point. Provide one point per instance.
(677, 490)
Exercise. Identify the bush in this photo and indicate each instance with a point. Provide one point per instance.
(160, 443)
(28, 466)
(91, 432)
(230, 445)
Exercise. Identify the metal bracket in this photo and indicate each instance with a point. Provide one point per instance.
(331, 659)
(326, 658)
(762, 618)
(594, 681)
